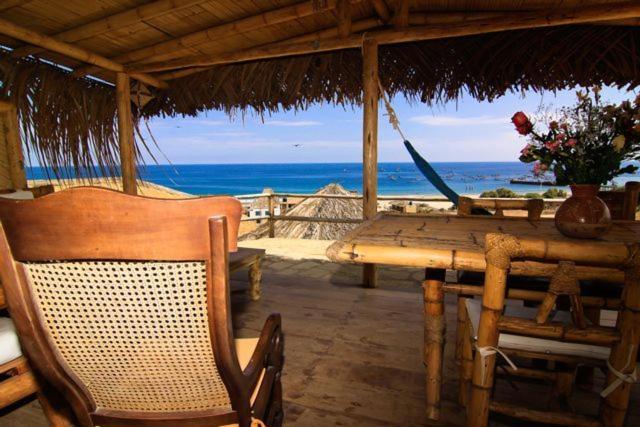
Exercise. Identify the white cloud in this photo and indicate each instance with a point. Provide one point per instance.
(458, 121)
(231, 133)
(292, 123)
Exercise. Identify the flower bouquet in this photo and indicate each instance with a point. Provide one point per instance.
(586, 146)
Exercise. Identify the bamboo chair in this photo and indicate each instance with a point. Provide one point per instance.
(533, 207)
(622, 204)
(538, 336)
(122, 303)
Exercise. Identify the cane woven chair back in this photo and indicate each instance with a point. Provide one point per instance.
(501, 250)
(122, 301)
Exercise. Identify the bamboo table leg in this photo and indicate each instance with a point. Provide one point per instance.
(255, 278)
(434, 329)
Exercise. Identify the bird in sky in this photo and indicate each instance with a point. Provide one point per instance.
(297, 145)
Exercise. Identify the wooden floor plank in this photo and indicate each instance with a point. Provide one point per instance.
(353, 356)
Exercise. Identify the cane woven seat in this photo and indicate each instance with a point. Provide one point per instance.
(135, 333)
(532, 344)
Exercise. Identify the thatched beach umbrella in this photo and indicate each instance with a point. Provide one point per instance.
(319, 208)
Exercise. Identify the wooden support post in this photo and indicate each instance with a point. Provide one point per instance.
(434, 330)
(15, 158)
(272, 225)
(370, 143)
(125, 134)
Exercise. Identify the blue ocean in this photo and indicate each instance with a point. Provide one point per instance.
(393, 178)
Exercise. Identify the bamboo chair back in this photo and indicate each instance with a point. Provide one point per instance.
(122, 302)
(533, 207)
(501, 250)
(622, 204)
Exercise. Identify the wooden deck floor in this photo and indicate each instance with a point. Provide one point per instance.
(353, 355)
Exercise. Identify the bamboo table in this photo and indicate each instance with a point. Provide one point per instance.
(452, 242)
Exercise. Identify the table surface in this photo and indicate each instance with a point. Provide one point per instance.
(447, 241)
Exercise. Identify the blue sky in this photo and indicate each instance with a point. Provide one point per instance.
(465, 131)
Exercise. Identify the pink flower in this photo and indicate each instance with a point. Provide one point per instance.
(539, 168)
(526, 150)
(571, 142)
(552, 145)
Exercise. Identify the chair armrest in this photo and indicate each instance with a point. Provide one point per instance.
(267, 352)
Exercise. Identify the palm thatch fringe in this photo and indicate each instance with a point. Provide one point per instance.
(485, 66)
(67, 124)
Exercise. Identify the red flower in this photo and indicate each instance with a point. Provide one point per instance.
(522, 123)
(519, 119)
(571, 142)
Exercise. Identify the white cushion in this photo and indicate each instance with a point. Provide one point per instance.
(9, 345)
(537, 345)
(18, 195)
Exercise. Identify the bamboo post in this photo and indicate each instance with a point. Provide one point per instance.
(370, 143)
(464, 351)
(499, 250)
(625, 352)
(272, 225)
(434, 330)
(14, 145)
(632, 191)
(125, 133)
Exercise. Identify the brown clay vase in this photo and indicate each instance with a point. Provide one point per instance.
(583, 215)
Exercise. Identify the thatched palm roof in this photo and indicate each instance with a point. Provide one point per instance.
(280, 54)
(319, 208)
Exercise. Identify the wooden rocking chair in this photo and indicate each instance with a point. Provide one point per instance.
(122, 304)
(532, 333)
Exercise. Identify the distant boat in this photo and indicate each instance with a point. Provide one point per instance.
(533, 181)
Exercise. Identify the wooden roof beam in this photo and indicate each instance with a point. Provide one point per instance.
(382, 10)
(254, 22)
(112, 22)
(328, 33)
(8, 4)
(32, 37)
(344, 18)
(401, 14)
(590, 14)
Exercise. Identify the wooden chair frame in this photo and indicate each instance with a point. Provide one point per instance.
(534, 207)
(137, 228)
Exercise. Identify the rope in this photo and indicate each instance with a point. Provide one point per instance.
(391, 113)
(621, 377)
(490, 351)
